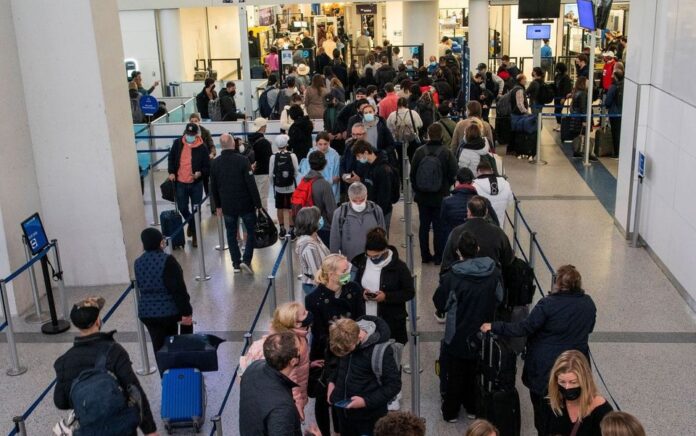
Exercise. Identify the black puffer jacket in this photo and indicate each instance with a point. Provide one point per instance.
(397, 284)
(83, 355)
(355, 377)
(379, 182)
(232, 184)
(559, 322)
(300, 134)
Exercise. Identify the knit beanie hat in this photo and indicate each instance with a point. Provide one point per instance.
(152, 238)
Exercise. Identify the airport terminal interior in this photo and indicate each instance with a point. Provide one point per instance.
(602, 184)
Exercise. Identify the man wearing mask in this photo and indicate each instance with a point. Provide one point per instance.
(227, 104)
(377, 178)
(188, 165)
(353, 220)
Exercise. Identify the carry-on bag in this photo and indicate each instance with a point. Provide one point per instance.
(168, 190)
(266, 231)
(194, 350)
(183, 399)
(171, 221)
(603, 142)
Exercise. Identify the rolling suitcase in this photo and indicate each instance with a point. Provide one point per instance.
(497, 399)
(603, 142)
(171, 221)
(183, 399)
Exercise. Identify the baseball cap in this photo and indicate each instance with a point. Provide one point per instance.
(362, 91)
(86, 312)
(191, 129)
(609, 54)
(259, 123)
(281, 141)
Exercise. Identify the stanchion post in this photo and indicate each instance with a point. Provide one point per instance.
(61, 282)
(415, 354)
(217, 425)
(537, 158)
(405, 182)
(39, 316)
(145, 368)
(290, 269)
(515, 226)
(590, 86)
(20, 425)
(272, 302)
(532, 249)
(221, 234)
(202, 275)
(553, 281)
(153, 195)
(16, 368)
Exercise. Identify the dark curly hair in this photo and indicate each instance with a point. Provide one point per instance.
(400, 424)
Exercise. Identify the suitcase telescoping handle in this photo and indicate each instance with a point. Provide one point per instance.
(178, 326)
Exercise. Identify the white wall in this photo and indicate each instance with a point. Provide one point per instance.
(519, 45)
(139, 37)
(661, 46)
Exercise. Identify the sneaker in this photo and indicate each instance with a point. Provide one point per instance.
(530, 158)
(236, 269)
(246, 267)
(593, 158)
(282, 232)
(394, 405)
(450, 420)
(470, 416)
(519, 156)
(292, 234)
(440, 317)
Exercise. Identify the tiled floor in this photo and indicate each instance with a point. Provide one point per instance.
(644, 344)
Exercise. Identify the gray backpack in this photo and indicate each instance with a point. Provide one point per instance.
(430, 173)
(378, 356)
(215, 110)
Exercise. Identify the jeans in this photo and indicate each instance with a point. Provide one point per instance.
(430, 215)
(186, 192)
(232, 226)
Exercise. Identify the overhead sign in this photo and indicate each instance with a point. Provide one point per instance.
(34, 233)
(366, 9)
(641, 165)
(149, 105)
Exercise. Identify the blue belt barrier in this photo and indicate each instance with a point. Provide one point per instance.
(3, 325)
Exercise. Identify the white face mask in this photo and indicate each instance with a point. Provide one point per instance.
(359, 207)
(242, 148)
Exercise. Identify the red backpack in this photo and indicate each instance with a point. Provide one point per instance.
(302, 196)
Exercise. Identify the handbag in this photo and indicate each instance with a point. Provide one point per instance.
(168, 190)
(266, 232)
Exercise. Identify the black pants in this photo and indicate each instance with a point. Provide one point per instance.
(615, 123)
(430, 215)
(541, 412)
(460, 385)
(356, 427)
(558, 109)
(160, 328)
(321, 414)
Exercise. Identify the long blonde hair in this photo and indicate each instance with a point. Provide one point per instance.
(575, 362)
(328, 267)
(285, 316)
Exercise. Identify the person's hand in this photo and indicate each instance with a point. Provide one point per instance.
(157, 82)
(218, 211)
(197, 175)
(486, 327)
(356, 403)
(329, 391)
(336, 179)
(187, 320)
(312, 430)
(316, 363)
(171, 177)
(381, 296)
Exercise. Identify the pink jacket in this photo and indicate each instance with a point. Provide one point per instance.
(299, 375)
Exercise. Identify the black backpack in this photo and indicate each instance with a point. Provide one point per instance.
(430, 173)
(395, 179)
(546, 93)
(519, 283)
(283, 170)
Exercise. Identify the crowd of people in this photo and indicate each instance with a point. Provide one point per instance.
(335, 193)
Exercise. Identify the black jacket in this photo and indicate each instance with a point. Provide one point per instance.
(344, 116)
(355, 377)
(385, 74)
(562, 84)
(341, 72)
(325, 308)
(266, 406)
(332, 119)
(492, 240)
(208, 140)
(300, 134)
(444, 90)
(397, 284)
(82, 356)
(559, 322)
(469, 294)
(232, 184)
(454, 209)
(228, 106)
(449, 171)
(262, 152)
(379, 183)
(323, 60)
(200, 159)
(202, 100)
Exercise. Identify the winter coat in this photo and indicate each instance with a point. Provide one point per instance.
(449, 171)
(379, 183)
(558, 322)
(266, 406)
(200, 160)
(314, 102)
(444, 89)
(228, 106)
(492, 240)
(323, 197)
(397, 284)
(501, 200)
(385, 74)
(300, 134)
(469, 153)
(349, 228)
(453, 211)
(355, 377)
(469, 294)
(311, 252)
(232, 184)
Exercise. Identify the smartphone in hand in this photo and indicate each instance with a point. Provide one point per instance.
(342, 404)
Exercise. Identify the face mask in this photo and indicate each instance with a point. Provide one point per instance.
(190, 138)
(344, 278)
(358, 207)
(242, 148)
(233, 93)
(308, 320)
(368, 117)
(433, 64)
(362, 160)
(571, 394)
(380, 258)
(321, 223)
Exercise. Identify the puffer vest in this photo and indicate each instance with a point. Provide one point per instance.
(155, 300)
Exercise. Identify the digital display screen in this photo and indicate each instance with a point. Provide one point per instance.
(299, 24)
(34, 232)
(539, 32)
(586, 14)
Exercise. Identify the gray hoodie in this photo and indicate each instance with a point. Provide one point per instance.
(349, 228)
(323, 197)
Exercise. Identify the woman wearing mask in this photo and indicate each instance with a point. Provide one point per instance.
(576, 406)
(310, 247)
(376, 131)
(561, 321)
(292, 317)
(579, 106)
(335, 296)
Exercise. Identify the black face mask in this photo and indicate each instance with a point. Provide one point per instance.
(233, 93)
(379, 258)
(571, 394)
(308, 320)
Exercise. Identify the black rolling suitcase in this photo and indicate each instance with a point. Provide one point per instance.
(171, 221)
(503, 130)
(524, 143)
(497, 399)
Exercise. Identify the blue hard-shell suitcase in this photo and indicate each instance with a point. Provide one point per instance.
(183, 399)
(171, 221)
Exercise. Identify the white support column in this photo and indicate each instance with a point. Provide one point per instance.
(246, 63)
(479, 16)
(171, 48)
(420, 25)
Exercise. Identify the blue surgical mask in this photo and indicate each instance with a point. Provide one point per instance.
(362, 160)
(321, 223)
(433, 64)
(190, 138)
(369, 117)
